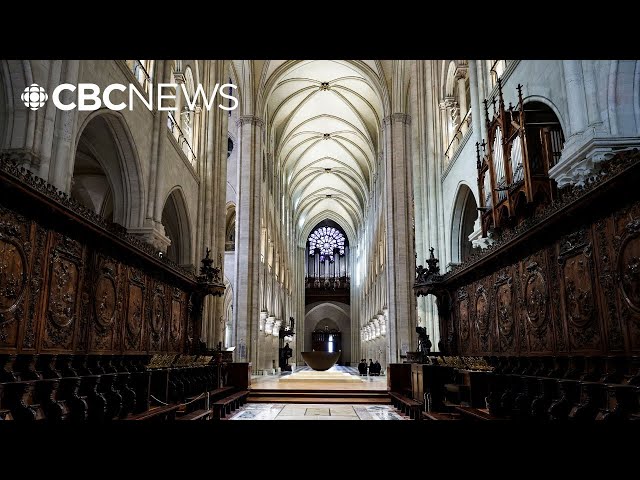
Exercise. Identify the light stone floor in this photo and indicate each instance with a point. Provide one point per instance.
(272, 382)
(312, 411)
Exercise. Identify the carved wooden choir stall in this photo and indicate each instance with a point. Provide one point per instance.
(551, 309)
(94, 324)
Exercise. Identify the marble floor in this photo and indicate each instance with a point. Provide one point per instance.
(311, 411)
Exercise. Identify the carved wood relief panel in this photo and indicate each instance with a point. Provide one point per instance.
(177, 322)
(65, 268)
(133, 325)
(15, 253)
(578, 292)
(158, 314)
(105, 304)
(626, 266)
(505, 318)
(72, 283)
(482, 318)
(463, 319)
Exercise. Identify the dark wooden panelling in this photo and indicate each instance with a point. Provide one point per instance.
(15, 261)
(71, 283)
(580, 294)
(563, 281)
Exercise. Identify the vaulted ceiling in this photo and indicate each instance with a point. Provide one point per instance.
(325, 119)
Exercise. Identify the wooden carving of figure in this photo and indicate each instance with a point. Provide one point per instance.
(425, 343)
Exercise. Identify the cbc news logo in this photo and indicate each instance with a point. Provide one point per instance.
(34, 96)
(91, 97)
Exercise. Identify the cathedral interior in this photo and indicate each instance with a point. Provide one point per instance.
(455, 239)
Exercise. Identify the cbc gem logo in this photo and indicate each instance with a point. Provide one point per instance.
(34, 96)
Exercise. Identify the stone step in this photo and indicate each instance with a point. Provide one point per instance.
(314, 399)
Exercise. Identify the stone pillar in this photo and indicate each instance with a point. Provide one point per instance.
(582, 151)
(400, 256)
(62, 173)
(275, 342)
(152, 230)
(462, 96)
(576, 102)
(481, 95)
(299, 326)
(248, 228)
(476, 113)
(265, 354)
(49, 127)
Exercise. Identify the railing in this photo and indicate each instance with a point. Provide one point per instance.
(182, 140)
(140, 73)
(456, 141)
(327, 283)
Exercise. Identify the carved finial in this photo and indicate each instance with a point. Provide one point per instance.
(493, 101)
(209, 273)
(478, 155)
(521, 104)
(484, 146)
(500, 94)
(486, 111)
(432, 263)
(519, 87)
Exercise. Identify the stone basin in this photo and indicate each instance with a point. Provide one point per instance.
(321, 360)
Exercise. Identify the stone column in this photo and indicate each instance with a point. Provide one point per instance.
(462, 96)
(265, 354)
(400, 257)
(576, 102)
(580, 154)
(299, 326)
(275, 341)
(49, 127)
(248, 227)
(62, 172)
(433, 173)
(481, 95)
(152, 230)
(476, 113)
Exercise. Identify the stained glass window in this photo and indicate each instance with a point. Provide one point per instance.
(328, 240)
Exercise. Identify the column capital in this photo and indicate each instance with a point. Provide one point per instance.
(461, 72)
(397, 118)
(250, 120)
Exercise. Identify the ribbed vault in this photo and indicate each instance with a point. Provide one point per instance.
(325, 117)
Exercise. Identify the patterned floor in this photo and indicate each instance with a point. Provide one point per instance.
(281, 411)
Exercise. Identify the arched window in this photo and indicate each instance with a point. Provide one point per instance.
(230, 232)
(465, 214)
(496, 69)
(143, 71)
(457, 103)
(187, 115)
(328, 240)
(545, 139)
(176, 226)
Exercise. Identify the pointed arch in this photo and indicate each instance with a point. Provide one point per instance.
(177, 225)
(465, 214)
(104, 147)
